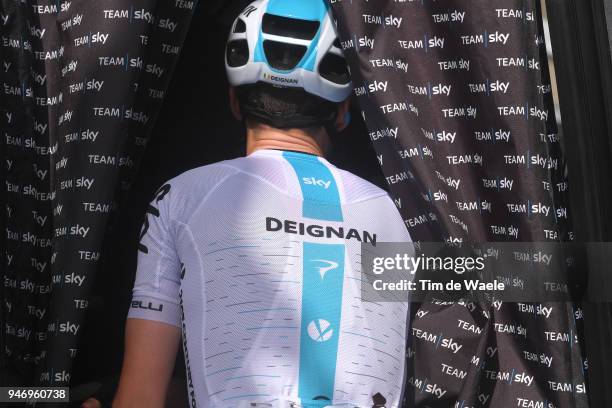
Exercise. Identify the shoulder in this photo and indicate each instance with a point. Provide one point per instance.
(203, 177)
(180, 195)
(374, 204)
(357, 189)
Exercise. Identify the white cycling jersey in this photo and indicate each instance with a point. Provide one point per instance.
(257, 260)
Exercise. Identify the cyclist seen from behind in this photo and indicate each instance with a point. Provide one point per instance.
(255, 261)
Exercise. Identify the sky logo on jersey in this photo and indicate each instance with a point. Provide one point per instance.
(324, 269)
(316, 182)
(319, 188)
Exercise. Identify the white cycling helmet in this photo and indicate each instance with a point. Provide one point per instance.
(288, 43)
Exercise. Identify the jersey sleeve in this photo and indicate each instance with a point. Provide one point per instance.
(155, 295)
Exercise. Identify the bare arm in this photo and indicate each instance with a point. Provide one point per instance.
(150, 353)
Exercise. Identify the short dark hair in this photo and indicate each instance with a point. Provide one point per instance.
(284, 107)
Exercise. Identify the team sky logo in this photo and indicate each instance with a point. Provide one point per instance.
(387, 21)
(358, 43)
(426, 43)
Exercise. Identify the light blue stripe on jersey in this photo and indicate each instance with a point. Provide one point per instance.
(319, 188)
(322, 284)
(323, 269)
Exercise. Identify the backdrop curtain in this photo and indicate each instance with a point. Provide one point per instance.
(82, 83)
(457, 99)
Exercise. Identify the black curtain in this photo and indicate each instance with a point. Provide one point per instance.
(581, 32)
(457, 99)
(82, 85)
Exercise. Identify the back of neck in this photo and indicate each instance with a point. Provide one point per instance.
(261, 136)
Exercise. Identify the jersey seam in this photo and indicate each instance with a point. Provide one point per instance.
(201, 265)
(193, 243)
(373, 197)
(195, 247)
(288, 193)
(160, 273)
(285, 192)
(154, 295)
(336, 174)
(176, 221)
(205, 199)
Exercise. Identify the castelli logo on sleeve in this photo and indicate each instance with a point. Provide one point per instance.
(283, 80)
(138, 304)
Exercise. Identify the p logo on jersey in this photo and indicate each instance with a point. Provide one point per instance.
(329, 265)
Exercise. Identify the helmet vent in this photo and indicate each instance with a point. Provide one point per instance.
(334, 69)
(240, 26)
(283, 56)
(289, 27)
(237, 53)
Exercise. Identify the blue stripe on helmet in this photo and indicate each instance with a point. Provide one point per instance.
(313, 10)
(260, 55)
(310, 57)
